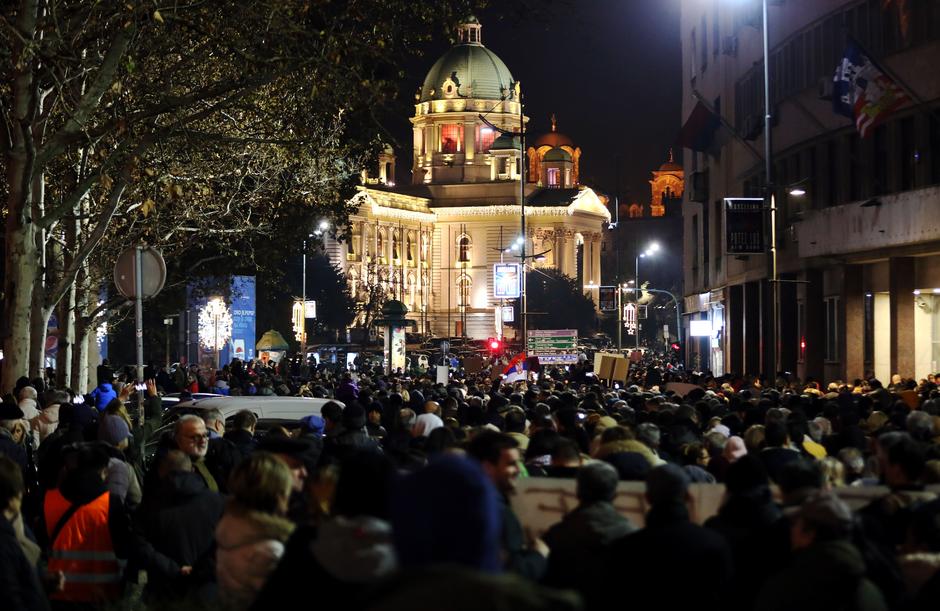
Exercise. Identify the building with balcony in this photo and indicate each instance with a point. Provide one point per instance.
(859, 250)
(433, 243)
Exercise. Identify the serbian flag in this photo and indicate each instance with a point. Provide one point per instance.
(516, 368)
(863, 92)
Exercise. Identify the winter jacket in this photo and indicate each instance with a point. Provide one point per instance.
(680, 565)
(520, 560)
(19, 580)
(103, 395)
(179, 521)
(824, 576)
(335, 562)
(249, 546)
(578, 543)
(46, 422)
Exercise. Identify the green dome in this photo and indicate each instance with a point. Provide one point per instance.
(557, 154)
(480, 74)
(505, 142)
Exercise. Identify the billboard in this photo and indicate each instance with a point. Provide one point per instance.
(507, 282)
(607, 298)
(238, 295)
(700, 328)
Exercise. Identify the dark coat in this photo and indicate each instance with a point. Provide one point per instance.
(775, 459)
(759, 536)
(221, 458)
(178, 521)
(19, 581)
(827, 575)
(519, 559)
(578, 544)
(348, 442)
(244, 441)
(674, 563)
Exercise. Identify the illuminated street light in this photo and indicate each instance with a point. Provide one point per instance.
(215, 326)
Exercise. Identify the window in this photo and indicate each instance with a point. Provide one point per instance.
(553, 175)
(636, 211)
(380, 245)
(451, 138)
(879, 185)
(464, 283)
(396, 246)
(410, 248)
(485, 138)
(832, 329)
(367, 245)
(909, 154)
(463, 248)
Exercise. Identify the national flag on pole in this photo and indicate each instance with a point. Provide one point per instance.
(698, 131)
(516, 368)
(863, 92)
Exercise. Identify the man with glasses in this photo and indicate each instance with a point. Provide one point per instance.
(192, 439)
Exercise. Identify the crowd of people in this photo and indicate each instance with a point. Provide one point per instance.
(398, 493)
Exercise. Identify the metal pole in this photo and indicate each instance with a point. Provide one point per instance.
(636, 298)
(772, 332)
(218, 349)
(168, 322)
(523, 306)
(303, 330)
(139, 324)
(619, 318)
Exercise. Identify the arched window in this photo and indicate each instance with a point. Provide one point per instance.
(380, 245)
(463, 248)
(396, 245)
(464, 284)
(410, 247)
(367, 244)
(636, 211)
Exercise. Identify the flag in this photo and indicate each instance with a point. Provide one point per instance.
(516, 370)
(863, 92)
(699, 129)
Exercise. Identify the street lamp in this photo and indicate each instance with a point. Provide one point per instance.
(649, 252)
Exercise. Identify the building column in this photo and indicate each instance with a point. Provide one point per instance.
(853, 329)
(469, 140)
(734, 323)
(901, 283)
(814, 332)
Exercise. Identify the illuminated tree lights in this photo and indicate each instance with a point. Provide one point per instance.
(215, 324)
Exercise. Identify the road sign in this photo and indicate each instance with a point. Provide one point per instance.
(152, 272)
(506, 281)
(558, 359)
(552, 340)
(744, 225)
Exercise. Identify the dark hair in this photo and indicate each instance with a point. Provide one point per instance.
(616, 433)
(11, 481)
(775, 434)
(364, 486)
(800, 474)
(332, 411)
(597, 481)
(565, 450)
(488, 446)
(515, 421)
(909, 455)
(244, 420)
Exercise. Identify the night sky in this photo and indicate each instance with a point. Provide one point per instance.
(608, 69)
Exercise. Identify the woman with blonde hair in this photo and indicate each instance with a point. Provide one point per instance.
(254, 528)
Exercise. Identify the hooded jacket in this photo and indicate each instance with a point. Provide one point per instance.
(249, 546)
(103, 395)
(826, 575)
(46, 422)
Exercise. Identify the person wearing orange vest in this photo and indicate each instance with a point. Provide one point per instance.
(88, 532)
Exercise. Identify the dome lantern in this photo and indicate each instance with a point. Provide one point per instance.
(470, 32)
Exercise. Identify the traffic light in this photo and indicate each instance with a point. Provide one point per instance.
(494, 345)
(675, 347)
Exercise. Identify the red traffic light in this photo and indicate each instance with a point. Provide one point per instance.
(494, 344)
(675, 347)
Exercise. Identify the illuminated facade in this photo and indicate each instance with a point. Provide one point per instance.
(433, 243)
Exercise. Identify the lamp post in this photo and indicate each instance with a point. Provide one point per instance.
(649, 252)
(771, 206)
(322, 226)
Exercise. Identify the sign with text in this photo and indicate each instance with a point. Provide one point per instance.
(557, 359)
(607, 298)
(552, 340)
(506, 281)
(744, 225)
(310, 309)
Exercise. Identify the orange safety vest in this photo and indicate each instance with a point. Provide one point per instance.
(83, 551)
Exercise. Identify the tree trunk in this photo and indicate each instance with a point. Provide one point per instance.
(63, 357)
(83, 336)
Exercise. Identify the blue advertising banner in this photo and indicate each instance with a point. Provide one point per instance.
(232, 322)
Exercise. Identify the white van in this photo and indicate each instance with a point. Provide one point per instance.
(265, 408)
